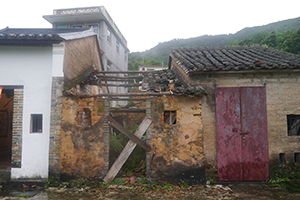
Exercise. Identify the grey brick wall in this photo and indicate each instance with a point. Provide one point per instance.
(106, 137)
(55, 126)
(17, 128)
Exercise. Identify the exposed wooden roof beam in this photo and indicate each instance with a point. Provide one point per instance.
(122, 110)
(123, 72)
(125, 94)
(120, 77)
(123, 99)
(117, 85)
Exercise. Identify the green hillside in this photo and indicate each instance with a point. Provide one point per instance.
(160, 53)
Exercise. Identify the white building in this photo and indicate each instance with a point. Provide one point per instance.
(32, 74)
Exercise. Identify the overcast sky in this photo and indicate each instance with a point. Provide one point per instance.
(145, 23)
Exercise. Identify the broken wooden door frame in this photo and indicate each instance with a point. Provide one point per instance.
(106, 132)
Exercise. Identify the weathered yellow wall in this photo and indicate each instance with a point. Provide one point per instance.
(179, 147)
(283, 98)
(82, 148)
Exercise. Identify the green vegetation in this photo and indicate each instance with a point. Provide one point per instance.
(22, 196)
(288, 41)
(282, 35)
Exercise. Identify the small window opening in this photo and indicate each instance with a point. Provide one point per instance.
(170, 117)
(297, 157)
(36, 123)
(282, 158)
(84, 117)
(108, 36)
(76, 26)
(293, 124)
(118, 46)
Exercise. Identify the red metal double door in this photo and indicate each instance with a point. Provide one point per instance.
(242, 135)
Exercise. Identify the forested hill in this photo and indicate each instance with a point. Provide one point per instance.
(161, 52)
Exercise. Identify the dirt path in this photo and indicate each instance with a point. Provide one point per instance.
(233, 191)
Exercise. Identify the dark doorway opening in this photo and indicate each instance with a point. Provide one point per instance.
(6, 119)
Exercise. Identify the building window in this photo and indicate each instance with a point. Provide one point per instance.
(170, 117)
(282, 158)
(297, 157)
(76, 26)
(125, 56)
(293, 124)
(36, 123)
(118, 46)
(62, 26)
(108, 36)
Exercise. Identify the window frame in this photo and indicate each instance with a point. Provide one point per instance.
(293, 121)
(172, 117)
(36, 123)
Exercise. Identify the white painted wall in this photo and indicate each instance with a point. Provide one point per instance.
(31, 67)
(58, 60)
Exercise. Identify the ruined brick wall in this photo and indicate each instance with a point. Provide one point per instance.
(80, 54)
(283, 94)
(179, 147)
(84, 145)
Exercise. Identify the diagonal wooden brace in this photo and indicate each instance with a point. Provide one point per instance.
(115, 168)
(131, 136)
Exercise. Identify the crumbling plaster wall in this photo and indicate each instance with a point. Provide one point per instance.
(283, 94)
(83, 145)
(179, 147)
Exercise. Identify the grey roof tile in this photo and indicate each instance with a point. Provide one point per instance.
(234, 58)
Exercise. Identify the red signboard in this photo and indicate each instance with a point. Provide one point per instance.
(242, 137)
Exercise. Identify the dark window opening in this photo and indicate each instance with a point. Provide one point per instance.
(36, 123)
(77, 26)
(118, 46)
(170, 117)
(282, 158)
(293, 124)
(84, 117)
(297, 157)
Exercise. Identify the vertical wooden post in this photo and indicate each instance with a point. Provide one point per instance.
(106, 136)
(148, 137)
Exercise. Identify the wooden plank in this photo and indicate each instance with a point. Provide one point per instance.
(117, 85)
(125, 94)
(120, 77)
(123, 99)
(115, 168)
(122, 110)
(131, 136)
(124, 72)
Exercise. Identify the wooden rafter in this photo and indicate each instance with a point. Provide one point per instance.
(122, 110)
(123, 99)
(123, 72)
(125, 94)
(117, 85)
(120, 77)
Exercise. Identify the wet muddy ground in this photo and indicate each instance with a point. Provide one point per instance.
(255, 191)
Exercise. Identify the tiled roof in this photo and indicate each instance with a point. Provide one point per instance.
(34, 34)
(234, 58)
